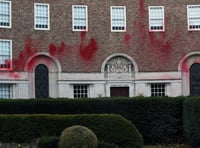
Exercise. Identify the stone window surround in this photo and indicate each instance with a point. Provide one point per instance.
(48, 17)
(121, 19)
(153, 20)
(190, 11)
(10, 16)
(85, 19)
(10, 58)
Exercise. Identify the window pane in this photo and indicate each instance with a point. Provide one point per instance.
(79, 17)
(156, 18)
(5, 57)
(5, 14)
(41, 16)
(158, 89)
(80, 91)
(118, 18)
(5, 91)
(194, 17)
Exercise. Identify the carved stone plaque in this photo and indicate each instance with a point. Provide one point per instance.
(118, 65)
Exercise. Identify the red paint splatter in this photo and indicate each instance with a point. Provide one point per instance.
(29, 50)
(14, 75)
(19, 62)
(55, 51)
(52, 49)
(87, 51)
(31, 65)
(8, 64)
(160, 45)
(127, 38)
(185, 68)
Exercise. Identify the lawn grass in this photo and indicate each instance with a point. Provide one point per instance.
(167, 146)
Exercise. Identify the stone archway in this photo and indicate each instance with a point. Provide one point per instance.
(189, 68)
(119, 64)
(119, 72)
(37, 64)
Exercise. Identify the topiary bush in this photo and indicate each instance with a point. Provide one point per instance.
(78, 137)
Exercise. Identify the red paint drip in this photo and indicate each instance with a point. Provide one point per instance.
(8, 63)
(14, 75)
(62, 48)
(186, 68)
(19, 62)
(127, 38)
(83, 35)
(53, 50)
(159, 44)
(87, 51)
(29, 50)
(141, 7)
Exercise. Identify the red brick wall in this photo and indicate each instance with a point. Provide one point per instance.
(155, 51)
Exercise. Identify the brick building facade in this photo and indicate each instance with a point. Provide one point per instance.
(91, 48)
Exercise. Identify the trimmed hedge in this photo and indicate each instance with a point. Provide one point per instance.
(158, 119)
(109, 128)
(49, 142)
(52, 142)
(191, 117)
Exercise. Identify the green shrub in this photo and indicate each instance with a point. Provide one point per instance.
(158, 119)
(49, 142)
(78, 137)
(107, 127)
(191, 117)
(103, 144)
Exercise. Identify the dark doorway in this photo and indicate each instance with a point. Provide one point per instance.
(119, 91)
(195, 80)
(41, 81)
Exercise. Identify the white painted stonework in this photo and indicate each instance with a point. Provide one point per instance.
(61, 84)
(98, 85)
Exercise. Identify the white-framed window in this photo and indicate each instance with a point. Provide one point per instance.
(158, 89)
(118, 18)
(41, 16)
(79, 18)
(5, 91)
(156, 18)
(81, 90)
(5, 14)
(193, 12)
(5, 54)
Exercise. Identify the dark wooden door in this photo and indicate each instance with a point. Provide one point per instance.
(119, 91)
(41, 81)
(195, 80)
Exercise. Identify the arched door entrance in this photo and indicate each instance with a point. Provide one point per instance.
(195, 80)
(41, 81)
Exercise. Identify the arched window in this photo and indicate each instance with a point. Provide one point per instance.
(195, 80)
(41, 81)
